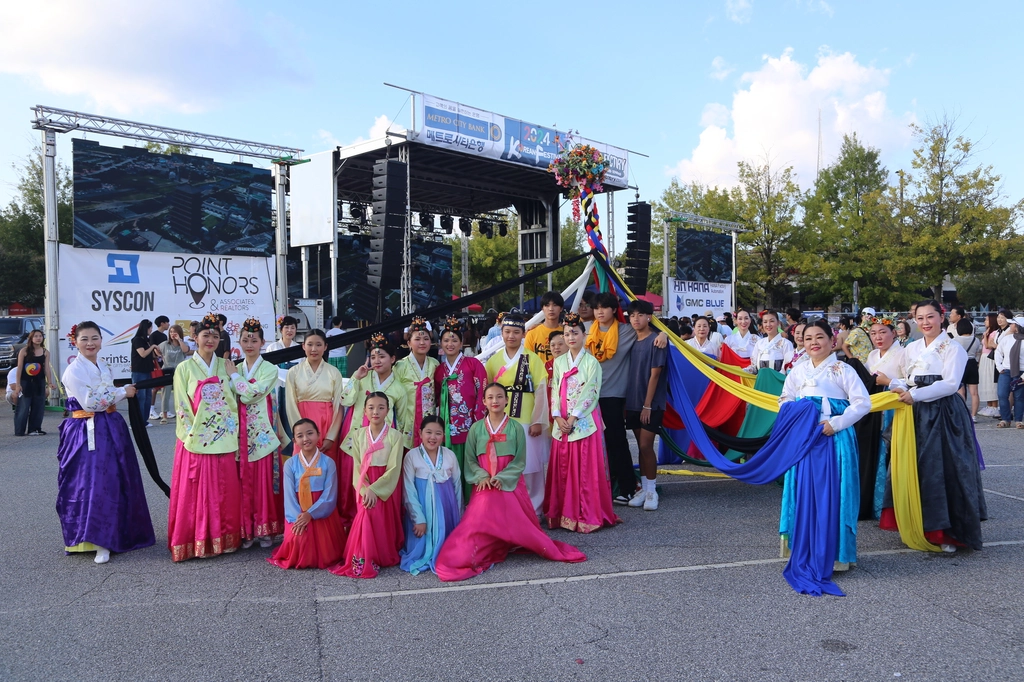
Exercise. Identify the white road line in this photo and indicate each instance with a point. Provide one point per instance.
(1012, 497)
(603, 576)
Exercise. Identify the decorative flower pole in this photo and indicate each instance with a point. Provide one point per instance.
(581, 169)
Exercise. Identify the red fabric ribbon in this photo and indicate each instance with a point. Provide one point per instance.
(494, 437)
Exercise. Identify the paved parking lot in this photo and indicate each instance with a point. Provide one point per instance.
(692, 591)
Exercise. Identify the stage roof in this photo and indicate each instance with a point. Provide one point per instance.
(441, 179)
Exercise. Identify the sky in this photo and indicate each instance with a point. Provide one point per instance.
(696, 86)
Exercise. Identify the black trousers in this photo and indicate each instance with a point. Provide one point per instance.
(620, 460)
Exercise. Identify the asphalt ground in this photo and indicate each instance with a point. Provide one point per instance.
(693, 591)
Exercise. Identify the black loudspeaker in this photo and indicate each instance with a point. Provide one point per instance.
(387, 234)
(638, 246)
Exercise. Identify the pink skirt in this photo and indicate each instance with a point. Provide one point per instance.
(204, 515)
(319, 546)
(495, 523)
(323, 414)
(577, 495)
(262, 509)
(376, 535)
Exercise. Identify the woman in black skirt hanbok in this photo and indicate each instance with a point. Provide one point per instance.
(948, 458)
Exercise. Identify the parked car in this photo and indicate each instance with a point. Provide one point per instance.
(14, 333)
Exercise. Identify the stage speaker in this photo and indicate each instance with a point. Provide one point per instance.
(638, 246)
(387, 234)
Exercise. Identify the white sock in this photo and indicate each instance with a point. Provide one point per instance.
(649, 484)
(102, 555)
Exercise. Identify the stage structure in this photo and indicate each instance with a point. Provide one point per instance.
(52, 121)
(465, 165)
(678, 218)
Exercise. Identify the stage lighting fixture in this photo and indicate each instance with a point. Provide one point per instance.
(466, 225)
(357, 212)
(446, 223)
(503, 228)
(486, 228)
(426, 221)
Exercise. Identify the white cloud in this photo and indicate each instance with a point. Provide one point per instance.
(720, 68)
(328, 138)
(775, 112)
(128, 56)
(739, 11)
(381, 125)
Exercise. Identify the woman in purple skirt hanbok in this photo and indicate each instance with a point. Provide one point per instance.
(100, 499)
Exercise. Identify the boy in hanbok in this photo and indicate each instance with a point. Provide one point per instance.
(523, 375)
(100, 499)
(843, 401)
(459, 381)
(432, 485)
(500, 515)
(313, 535)
(376, 535)
(578, 496)
(416, 374)
(204, 514)
(258, 463)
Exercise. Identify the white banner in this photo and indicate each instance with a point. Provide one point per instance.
(311, 201)
(119, 289)
(688, 298)
(454, 126)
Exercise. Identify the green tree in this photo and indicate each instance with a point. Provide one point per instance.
(168, 149)
(846, 235)
(771, 198)
(953, 220)
(491, 261)
(999, 286)
(22, 232)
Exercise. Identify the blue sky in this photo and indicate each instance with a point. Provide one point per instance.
(696, 86)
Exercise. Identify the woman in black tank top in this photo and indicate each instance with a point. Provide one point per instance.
(33, 373)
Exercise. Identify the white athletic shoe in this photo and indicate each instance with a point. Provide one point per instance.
(639, 499)
(948, 549)
(651, 504)
(153, 414)
(266, 542)
(102, 555)
(840, 566)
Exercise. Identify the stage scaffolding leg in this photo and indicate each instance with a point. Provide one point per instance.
(50, 217)
(305, 272)
(281, 258)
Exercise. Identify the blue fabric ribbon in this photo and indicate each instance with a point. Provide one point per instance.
(797, 442)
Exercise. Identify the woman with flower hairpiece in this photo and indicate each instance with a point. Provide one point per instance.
(948, 459)
(459, 381)
(204, 514)
(100, 499)
(376, 376)
(259, 466)
(577, 495)
(416, 373)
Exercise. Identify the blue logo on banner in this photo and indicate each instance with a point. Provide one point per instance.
(124, 268)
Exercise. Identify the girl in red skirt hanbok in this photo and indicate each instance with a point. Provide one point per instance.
(500, 515)
(578, 496)
(258, 463)
(376, 535)
(313, 390)
(313, 536)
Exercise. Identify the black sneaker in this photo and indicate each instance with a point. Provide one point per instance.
(621, 499)
(40, 433)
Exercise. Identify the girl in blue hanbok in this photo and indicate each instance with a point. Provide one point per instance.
(432, 483)
(843, 401)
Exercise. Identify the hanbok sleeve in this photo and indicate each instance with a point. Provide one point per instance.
(474, 473)
(479, 379)
(335, 428)
(788, 350)
(540, 395)
(93, 395)
(556, 388)
(291, 498)
(328, 500)
(591, 390)
(456, 477)
(251, 392)
(510, 475)
(291, 397)
(954, 360)
(412, 499)
(790, 390)
(385, 486)
(182, 402)
(351, 392)
(860, 400)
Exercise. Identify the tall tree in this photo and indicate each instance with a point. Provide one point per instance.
(491, 261)
(846, 235)
(22, 232)
(954, 221)
(770, 201)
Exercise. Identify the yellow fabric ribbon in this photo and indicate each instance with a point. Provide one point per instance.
(602, 345)
(906, 490)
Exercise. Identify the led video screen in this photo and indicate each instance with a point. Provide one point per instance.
(131, 199)
(703, 256)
